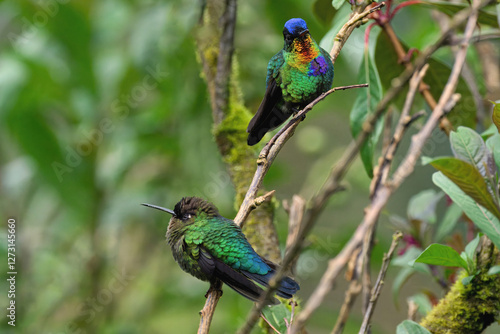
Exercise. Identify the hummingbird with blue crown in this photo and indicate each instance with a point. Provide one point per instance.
(296, 75)
(214, 249)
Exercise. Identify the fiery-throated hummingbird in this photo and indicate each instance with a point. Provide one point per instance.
(213, 248)
(296, 75)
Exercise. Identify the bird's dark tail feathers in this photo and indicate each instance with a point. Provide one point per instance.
(288, 287)
(262, 123)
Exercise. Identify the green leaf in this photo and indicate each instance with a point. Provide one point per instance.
(364, 105)
(468, 279)
(470, 249)
(468, 255)
(323, 10)
(422, 206)
(496, 115)
(498, 13)
(468, 145)
(388, 65)
(408, 259)
(482, 218)
(467, 178)
(489, 132)
(424, 160)
(449, 221)
(464, 112)
(77, 41)
(275, 315)
(494, 270)
(411, 327)
(451, 9)
(337, 3)
(493, 143)
(441, 255)
(36, 138)
(403, 275)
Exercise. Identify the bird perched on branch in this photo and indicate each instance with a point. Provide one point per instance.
(296, 75)
(213, 248)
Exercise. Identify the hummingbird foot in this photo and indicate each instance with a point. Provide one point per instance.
(215, 286)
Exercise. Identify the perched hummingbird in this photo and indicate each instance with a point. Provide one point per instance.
(213, 248)
(296, 75)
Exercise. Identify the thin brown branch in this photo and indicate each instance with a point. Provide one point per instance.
(379, 283)
(387, 132)
(366, 275)
(271, 150)
(352, 274)
(296, 213)
(350, 297)
(300, 116)
(207, 313)
(381, 172)
(381, 196)
(269, 324)
(412, 310)
(356, 20)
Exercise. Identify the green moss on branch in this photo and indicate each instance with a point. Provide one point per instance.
(467, 309)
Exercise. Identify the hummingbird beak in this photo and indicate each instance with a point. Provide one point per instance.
(159, 208)
(303, 33)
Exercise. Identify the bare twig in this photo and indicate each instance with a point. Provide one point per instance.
(261, 199)
(296, 213)
(412, 310)
(488, 56)
(366, 275)
(355, 21)
(382, 195)
(380, 282)
(207, 313)
(382, 170)
(350, 297)
(269, 324)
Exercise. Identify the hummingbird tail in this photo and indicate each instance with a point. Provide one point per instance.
(288, 286)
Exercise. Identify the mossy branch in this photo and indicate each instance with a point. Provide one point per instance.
(471, 308)
(215, 44)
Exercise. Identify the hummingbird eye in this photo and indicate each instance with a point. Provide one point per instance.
(187, 216)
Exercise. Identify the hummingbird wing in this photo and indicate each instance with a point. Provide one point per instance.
(223, 252)
(234, 279)
(269, 115)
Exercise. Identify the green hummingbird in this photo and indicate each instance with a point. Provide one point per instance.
(296, 75)
(213, 248)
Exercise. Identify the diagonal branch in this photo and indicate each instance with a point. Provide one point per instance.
(271, 150)
(380, 282)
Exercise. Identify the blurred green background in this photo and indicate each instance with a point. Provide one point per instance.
(102, 107)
